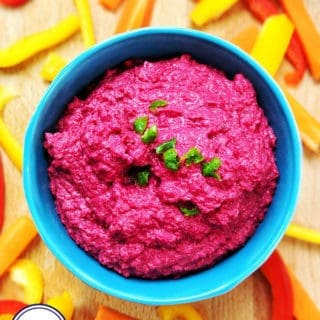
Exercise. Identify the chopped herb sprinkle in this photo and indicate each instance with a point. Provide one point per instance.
(150, 134)
(161, 148)
(140, 124)
(158, 104)
(193, 155)
(189, 209)
(171, 159)
(209, 169)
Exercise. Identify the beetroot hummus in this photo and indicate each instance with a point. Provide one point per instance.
(164, 168)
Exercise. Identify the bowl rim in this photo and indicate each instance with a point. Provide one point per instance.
(28, 178)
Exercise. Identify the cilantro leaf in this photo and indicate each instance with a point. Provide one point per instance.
(171, 159)
(150, 134)
(193, 155)
(143, 177)
(189, 209)
(161, 148)
(140, 124)
(158, 104)
(209, 169)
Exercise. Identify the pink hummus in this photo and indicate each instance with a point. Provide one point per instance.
(139, 230)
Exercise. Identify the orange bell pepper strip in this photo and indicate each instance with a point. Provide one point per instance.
(14, 240)
(263, 9)
(272, 42)
(309, 127)
(62, 303)
(307, 31)
(27, 274)
(84, 11)
(246, 38)
(30, 45)
(276, 273)
(182, 311)
(135, 14)
(304, 308)
(106, 313)
(112, 5)
(2, 193)
(52, 66)
(7, 141)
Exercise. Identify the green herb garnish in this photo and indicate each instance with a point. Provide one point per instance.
(189, 210)
(161, 148)
(209, 169)
(143, 177)
(140, 124)
(193, 155)
(171, 159)
(158, 104)
(150, 134)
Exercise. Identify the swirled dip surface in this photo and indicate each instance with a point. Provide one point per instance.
(139, 230)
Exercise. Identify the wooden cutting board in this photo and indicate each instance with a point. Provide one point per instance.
(251, 299)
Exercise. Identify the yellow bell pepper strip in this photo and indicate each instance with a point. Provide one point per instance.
(106, 313)
(30, 45)
(276, 273)
(10, 307)
(2, 193)
(84, 11)
(135, 14)
(304, 308)
(246, 38)
(112, 5)
(6, 316)
(307, 31)
(14, 240)
(62, 303)
(302, 233)
(183, 311)
(207, 10)
(309, 127)
(7, 141)
(272, 42)
(52, 66)
(27, 274)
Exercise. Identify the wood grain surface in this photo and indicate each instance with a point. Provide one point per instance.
(251, 299)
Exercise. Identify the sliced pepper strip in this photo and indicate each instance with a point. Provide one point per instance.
(183, 311)
(11, 306)
(84, 11)
(106, 313)
(135, 14)
(277, 275)
(272, 42)
(207, 10)
(30, 45)
(246, 38)
(111, 4)
(263, 9)
(304, 308)
(14, 240)
(309, 127)
(52, 66)
(7, 141)
(2, 194)
(62, 303)
(308, 33)
(28, 275)
(302, 233)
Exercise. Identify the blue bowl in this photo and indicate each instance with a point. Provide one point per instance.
(160, 43)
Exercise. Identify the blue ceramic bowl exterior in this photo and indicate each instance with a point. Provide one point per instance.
(161, 43)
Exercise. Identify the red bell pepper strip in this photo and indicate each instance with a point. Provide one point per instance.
(262, 9)
(13, 3)
(1, 194)
(11, 306)
(277, 275)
